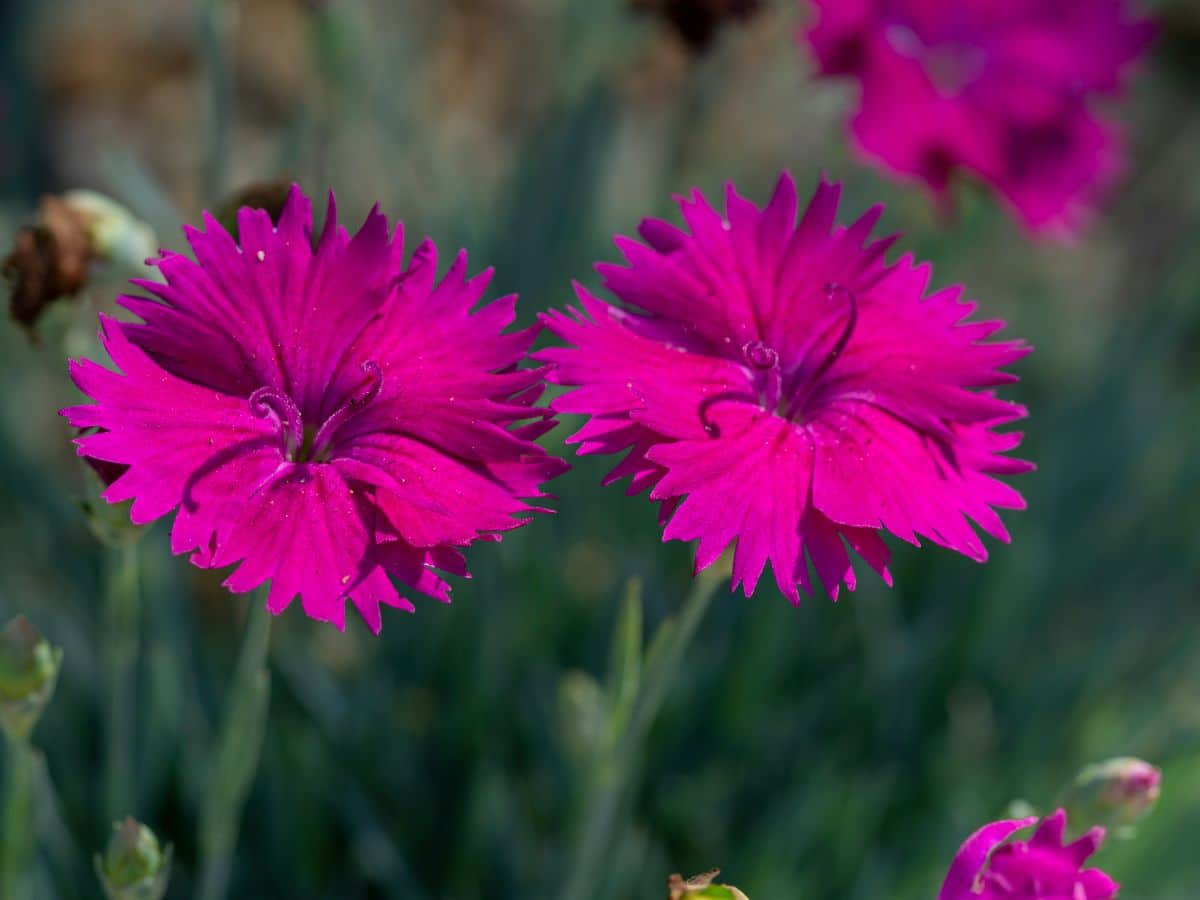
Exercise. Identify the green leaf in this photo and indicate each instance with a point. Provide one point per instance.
(625, 666)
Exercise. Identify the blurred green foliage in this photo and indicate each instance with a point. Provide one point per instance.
(830, 752)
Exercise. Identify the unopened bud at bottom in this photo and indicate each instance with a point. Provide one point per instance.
(134, 866)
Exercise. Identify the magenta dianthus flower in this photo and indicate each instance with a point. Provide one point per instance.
(1042, 868)
(326, 417)
(1000, 89)
(783, 386)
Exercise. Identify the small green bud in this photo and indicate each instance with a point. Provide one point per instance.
(28, 673)
(134, 866)
(1117, 793)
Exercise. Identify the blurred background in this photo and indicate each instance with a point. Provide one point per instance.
(830, 752)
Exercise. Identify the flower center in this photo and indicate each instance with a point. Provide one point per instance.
(303, 443)
(768, 377)
(788, 394)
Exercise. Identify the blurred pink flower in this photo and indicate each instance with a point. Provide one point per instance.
(1042, 868)
(1000, 89)
(324, 417)
(784, 386)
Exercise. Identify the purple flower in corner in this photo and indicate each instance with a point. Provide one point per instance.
(326, 417)
(1000, 89)
(784, 386)
(1042, 868)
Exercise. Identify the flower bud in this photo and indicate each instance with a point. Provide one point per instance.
(701, 887)
(1117, 793)
(133, 866)
(49, 259)
(115, 233)
(28, 673)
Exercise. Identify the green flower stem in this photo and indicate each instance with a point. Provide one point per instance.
(121, 625)
(237, 754)
(17, 834)
(611, 780)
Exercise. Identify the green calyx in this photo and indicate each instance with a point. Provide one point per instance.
(134, 866)
(28, 673)
(27, 661)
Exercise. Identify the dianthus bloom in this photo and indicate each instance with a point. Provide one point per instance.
(1000, 89)
(325, 416)
(1042, 868)
(784, 386)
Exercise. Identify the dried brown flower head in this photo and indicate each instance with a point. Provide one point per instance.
(697, 21)
(49, 260)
